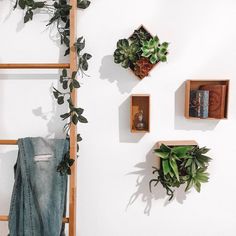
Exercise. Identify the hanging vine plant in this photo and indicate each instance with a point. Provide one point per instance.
(59, 12)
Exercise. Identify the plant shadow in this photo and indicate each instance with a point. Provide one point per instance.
(144, 175)
(125, 135)
(181, 123)
(114, 73)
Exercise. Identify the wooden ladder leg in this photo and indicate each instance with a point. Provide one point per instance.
(73, 131)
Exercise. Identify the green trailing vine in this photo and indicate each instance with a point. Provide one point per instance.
(59, 11)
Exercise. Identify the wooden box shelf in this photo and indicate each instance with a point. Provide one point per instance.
(195, 84)
(173, 143)
(140, 103)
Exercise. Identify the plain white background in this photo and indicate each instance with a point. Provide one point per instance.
(114, 166)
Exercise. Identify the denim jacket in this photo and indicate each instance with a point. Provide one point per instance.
(39, 195)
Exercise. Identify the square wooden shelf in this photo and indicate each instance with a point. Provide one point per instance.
(195, 84)
(173, 143)
(140, 103)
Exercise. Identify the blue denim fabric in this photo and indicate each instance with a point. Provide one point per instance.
(39, 194)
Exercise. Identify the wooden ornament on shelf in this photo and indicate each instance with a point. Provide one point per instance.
(218, 105)
(140, 113)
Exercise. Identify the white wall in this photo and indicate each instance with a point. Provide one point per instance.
(114, 165)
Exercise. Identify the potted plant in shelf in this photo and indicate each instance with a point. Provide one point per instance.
(140, 52)
(181, 165)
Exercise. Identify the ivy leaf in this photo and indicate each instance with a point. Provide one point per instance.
(82, 119)
(75, 83)
(22, 4)
(79, 138)
(65, 116)
(83, 4)
(75, 119)
(85, 65)
(70, 162)
(67, 52)
(64, 72)
(60, 100)
(79, 111)
(87, 56)
(55, 93)
(65, 84)
(71, 87)
(68, 171)
(28, 16)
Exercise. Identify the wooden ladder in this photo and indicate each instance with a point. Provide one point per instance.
(72, 65)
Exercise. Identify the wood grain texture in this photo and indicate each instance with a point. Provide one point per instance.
(6, 218)
(8, 142)
(73, 130)
(35, 66)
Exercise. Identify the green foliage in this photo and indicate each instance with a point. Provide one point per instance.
(181, 165)
(140, 35)
(155, 51)
(140, 51)
(126, 53)
(59, 10)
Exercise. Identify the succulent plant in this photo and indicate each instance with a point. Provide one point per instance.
(155, 51)
(180, 165)
(142, 67)
(126, 53)
(140, 35)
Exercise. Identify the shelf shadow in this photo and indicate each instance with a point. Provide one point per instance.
(112, 72)
(125, 135)
(181, 123)
(144, 175)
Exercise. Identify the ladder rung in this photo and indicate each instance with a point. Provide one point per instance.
(36, 66)
(8, 142)
(5, 218)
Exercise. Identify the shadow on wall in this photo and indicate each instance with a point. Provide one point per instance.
(55, 124)
(144, 175)
(181, 123)
(125, 135)
(112, 72)
(7, 161)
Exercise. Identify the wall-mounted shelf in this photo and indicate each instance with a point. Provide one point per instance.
(140, 103)
(196, 84)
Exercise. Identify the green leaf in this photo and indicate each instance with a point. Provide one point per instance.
(197, 186)
(60, 100)
(86, 56)
(64, 72)
(65, 116)
(67, 52)
(75, 119)
(79, 138)
(165, 44)
(174, 167)
(161, 154)
(65, 84)
(22, 4)
(163, 58)
(82, 119)
(83, 4)
(154, 59)
(28, 16)
(165, 148)
(181, 151)
(75, 83)
(165, 166)
(79, 111)
(189, 184)
(71, 162)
